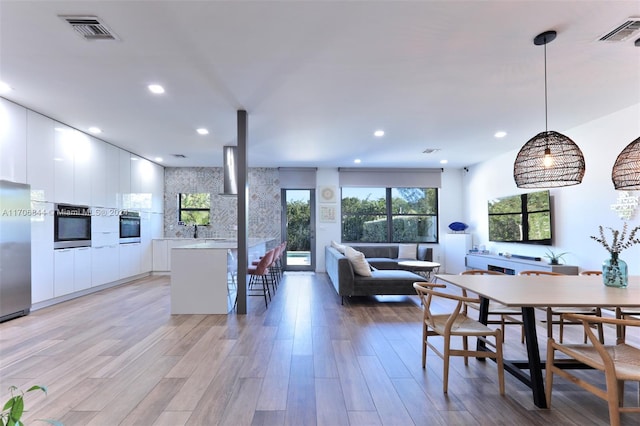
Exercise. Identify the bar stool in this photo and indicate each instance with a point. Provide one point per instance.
(261, 270)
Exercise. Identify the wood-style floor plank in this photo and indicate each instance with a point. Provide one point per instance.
(120, 357)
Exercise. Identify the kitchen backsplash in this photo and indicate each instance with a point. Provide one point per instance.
(264, 202)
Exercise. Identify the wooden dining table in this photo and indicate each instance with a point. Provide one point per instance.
(530, 292)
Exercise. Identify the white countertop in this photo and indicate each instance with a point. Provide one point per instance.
(223, 244)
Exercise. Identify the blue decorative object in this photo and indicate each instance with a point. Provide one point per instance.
(458, 226)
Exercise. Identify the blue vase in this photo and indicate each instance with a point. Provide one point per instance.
(614, 272)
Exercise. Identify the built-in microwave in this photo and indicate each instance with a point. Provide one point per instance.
(129, 227)
(71, 226)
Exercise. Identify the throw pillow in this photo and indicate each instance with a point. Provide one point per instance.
(338, 247)
(407, 251)
(358, 262)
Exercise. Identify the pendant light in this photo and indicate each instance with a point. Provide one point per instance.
(549, 159)
(626, 170)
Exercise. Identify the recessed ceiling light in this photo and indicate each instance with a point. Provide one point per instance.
(4, 87)
(156, 88)
(159, 159)
(444, 161)
(378, 133)
(500, 134)
(202, 131)
(95, 130)
(357, 161)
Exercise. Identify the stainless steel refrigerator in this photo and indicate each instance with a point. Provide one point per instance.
(15, 250)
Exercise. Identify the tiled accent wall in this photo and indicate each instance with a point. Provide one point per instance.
(264, 202)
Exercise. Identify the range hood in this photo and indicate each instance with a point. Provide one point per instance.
(230, 170)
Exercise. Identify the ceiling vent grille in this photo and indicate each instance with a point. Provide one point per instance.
(623, 31)
(90, 27)
(430, 150)
(179, 155)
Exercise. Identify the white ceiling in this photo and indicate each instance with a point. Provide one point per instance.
(318, 77)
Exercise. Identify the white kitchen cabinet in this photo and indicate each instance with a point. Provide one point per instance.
(98, 173)
(81, 268)
(40, 156)
(72, 270)
(112, 170)
(124, 179)
(157, 189)
(456, 247)
(105, 264)
(160, 255)
(42, 275)
(129, 260)
(146, 246)
(63, 272)
(82, 168)
(63, 163)
(13, 142)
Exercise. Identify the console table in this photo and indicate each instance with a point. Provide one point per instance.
(512, 265)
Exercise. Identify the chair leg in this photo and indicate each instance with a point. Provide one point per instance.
(465, 347)
(613, 399)
(549, 323)
(445, 375)
(500, 361)
(561, 333)
(424, 344)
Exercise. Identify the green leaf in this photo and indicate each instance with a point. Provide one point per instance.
(17, 409)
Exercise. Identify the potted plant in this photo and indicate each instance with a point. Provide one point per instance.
(13, 409)
(554, 258)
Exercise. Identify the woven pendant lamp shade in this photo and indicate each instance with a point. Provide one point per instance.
(626, 170)
(568, 165)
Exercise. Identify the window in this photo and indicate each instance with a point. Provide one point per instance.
(380, 215)
(194, 208)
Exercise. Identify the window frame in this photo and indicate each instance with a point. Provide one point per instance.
(192, 209)
(388, 213)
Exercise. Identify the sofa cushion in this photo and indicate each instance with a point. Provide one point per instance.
(337, 246)
(407, 251)
(383, 262)
(358, 262)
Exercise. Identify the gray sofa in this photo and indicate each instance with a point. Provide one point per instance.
(386, 279)
(385, 256)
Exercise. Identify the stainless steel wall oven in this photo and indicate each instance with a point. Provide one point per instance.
(129, 227)
(71, 226)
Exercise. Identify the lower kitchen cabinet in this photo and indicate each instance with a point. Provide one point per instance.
(72, 270)
(129, 260)
(105, 264)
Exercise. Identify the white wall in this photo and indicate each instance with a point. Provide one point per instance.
(577, 210)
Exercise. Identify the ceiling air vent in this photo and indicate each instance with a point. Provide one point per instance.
(89, 27)
(623, 31)
(179, 155)
(430, 150)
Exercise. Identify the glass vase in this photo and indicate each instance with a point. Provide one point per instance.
(614, 272)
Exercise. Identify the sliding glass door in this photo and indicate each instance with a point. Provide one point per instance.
(298, 229)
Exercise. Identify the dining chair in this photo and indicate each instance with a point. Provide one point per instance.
(505, 313)
(619, 363)
(626, 313)
(452, 324)
(560, 312)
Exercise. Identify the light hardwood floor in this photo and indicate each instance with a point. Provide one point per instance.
(119, 357)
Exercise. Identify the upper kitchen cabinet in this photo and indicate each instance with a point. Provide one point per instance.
(63, 163)
(124, 174)
(99, 174)
(147, 185)
(105, 178)
(13, 142)
(82, 168)
(73, 159)
(112, 161)
(40, 156)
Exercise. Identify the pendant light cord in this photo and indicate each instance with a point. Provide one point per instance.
(546, 126)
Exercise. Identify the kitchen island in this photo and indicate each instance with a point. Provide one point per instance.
(199, 275)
